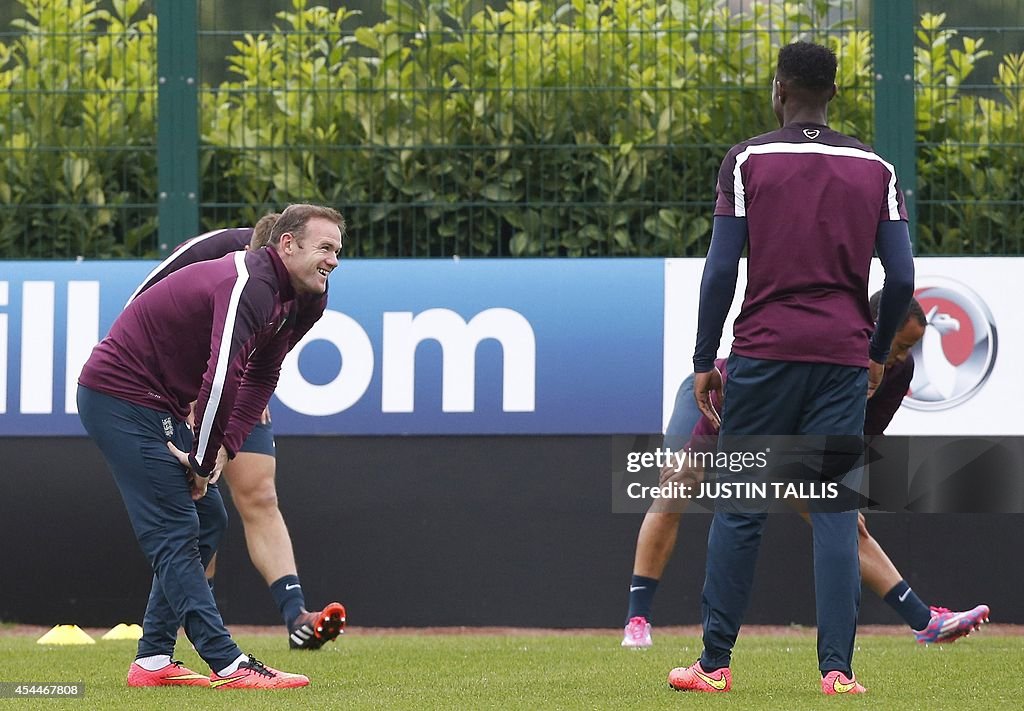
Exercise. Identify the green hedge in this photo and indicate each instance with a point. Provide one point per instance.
(593, 127)
(78, 131)
(970, 157)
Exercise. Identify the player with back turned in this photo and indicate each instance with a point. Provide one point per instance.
(689, 431)
(811, 206)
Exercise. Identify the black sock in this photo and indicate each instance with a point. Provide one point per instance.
(848, 673)
(908, 606)
(287, 592)
(711, 668)
(641, 597)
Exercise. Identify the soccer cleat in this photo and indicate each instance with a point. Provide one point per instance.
(835, 682)
(637, 634)
(694, 678)
(174, 674)
(254, 674)
(311, 629)
(947, 626)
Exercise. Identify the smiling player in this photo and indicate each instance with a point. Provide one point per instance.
(211, 334)
(251, 474)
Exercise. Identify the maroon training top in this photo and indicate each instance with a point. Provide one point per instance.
(192, 336)
(813, 199)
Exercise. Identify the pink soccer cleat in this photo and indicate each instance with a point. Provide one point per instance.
(694, 678)
(637, 634)
(835, 682)
(948, 626)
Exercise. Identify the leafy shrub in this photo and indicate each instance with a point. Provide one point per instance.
(589, 127)
(77, 131)
(970, 148)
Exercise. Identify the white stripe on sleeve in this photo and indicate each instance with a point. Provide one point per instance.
(217, 388)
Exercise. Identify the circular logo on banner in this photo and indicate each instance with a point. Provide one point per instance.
(958, 351)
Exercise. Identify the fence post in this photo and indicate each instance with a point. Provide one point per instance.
(177, 122)
(893, 26)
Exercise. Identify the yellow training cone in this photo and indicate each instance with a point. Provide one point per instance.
(66, 634)
(124, 631)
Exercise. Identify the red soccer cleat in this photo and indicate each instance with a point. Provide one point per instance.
(174, 674)
(312, 629)
(254, 674)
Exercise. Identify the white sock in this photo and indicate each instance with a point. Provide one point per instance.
(157, 661)
(233, 666)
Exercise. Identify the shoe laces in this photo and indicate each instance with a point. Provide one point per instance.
(939, 610)
(177, 663)
(258, 667)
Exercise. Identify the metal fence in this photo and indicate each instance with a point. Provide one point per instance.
(514, 130)
(969, 128)
(78, 158)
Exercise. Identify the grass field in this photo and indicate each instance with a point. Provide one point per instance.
(557, 671)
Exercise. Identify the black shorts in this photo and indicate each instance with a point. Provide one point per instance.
(260, 440)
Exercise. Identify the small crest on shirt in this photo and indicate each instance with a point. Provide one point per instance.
(168, 427)
(812, 133)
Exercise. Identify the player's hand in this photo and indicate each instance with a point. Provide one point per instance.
(667, 472)
(199, 484)
(190, 419)
(265, 415)
(687, 475)
(196, 484)
(703, 385)
(219, 464)
(875, 373)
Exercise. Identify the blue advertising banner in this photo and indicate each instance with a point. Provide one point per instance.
(406, 347)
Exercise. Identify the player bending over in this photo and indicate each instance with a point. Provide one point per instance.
(210, 335)
(657, 537)
(251, 474)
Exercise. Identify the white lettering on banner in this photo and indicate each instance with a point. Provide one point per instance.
(459, 340)
(3, 349)
(38, 315)
(37, 347)
(402, 333)
(352, 380)
(83, 333)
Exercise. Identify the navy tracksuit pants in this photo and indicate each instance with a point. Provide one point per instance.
(764, 397)
(178, 535)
